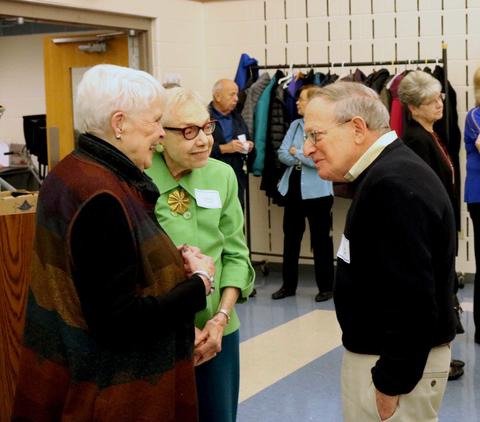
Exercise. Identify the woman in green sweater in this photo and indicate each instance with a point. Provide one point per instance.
(199, 206)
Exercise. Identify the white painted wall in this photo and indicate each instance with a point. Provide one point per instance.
(318, 31)
(202, 41)
(22, 86)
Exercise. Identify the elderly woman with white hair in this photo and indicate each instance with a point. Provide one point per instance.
(199, 205)
(109, 328)
(421, 94)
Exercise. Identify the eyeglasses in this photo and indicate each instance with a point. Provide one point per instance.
(191, 132)
(315, 136)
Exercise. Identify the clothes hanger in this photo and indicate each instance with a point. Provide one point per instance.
(286, 79)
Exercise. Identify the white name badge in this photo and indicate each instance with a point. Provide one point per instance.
(208, 198)
(344, 250)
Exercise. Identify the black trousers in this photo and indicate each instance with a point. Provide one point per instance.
(474, 211)
(318, 213)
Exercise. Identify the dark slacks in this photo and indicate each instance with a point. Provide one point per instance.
(474, 211)
(318, 213)
(218, 383)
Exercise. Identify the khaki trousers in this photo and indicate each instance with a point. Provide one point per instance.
(420, 405)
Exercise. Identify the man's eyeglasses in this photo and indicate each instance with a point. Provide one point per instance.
(315, 136)
(191, 132)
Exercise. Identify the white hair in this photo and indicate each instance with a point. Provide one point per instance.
(355, 99)
(177, 99)
(106, 89)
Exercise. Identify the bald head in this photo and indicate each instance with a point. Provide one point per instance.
(225, 95)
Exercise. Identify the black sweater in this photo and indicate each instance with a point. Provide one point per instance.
(394, 298)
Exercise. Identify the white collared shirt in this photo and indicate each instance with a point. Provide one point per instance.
(369, 156)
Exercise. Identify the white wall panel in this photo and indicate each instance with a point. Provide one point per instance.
(474, 22)
(454, 4)
(361, 7)
(361, 50)
(456, 47)
(384, 25)
(340, 28)
(430, 4)
(275, 9)
(456, 72)
(383, 6)
(317, 29)
(339, 7)
(474, 48)
(318, 52)
(340, 51)
(276, 54)
(317, 8)
(430, 23)
(297, 31)
(296, 9)
(406, 5)
(362, 27)
(276, 32)
(431, 47)
(407, 49)
(407, 24)
(384, 49)
(454, 22)
(296, 53)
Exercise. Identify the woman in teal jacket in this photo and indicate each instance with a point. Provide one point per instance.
(199, 206)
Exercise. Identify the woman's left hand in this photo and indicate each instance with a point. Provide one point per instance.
(208, 342)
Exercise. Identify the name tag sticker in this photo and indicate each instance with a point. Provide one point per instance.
(208, 198)
(344, 250)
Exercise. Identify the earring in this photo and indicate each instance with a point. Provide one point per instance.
(118, 136)
(159, 148)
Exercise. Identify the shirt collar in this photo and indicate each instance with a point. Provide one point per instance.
(164, 180)
(369, 156)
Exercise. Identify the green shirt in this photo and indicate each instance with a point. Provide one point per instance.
(217, 231)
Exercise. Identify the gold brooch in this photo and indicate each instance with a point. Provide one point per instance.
(178, 201)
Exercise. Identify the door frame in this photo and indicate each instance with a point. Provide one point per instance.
(94, 18)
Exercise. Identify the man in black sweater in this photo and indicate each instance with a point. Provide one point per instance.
(395, 268)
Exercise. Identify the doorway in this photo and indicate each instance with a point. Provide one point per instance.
(49, 81)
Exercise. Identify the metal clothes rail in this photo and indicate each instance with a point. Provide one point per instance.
(442, 61)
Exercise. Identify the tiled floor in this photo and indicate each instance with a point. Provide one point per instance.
(291, 355)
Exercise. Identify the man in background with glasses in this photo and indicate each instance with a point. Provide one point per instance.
(231, 138)
(395, 265)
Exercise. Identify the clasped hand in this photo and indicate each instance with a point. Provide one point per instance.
(208, 342)
(194, 260)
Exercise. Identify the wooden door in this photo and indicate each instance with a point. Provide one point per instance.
(59, 60)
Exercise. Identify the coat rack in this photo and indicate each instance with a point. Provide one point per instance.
(442, 61)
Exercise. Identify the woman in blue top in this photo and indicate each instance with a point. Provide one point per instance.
(472, 189)
(307, 195)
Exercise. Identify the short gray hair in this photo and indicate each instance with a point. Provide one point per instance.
(355, 99)
(106, 89)
(417, 87)
(179, 97)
